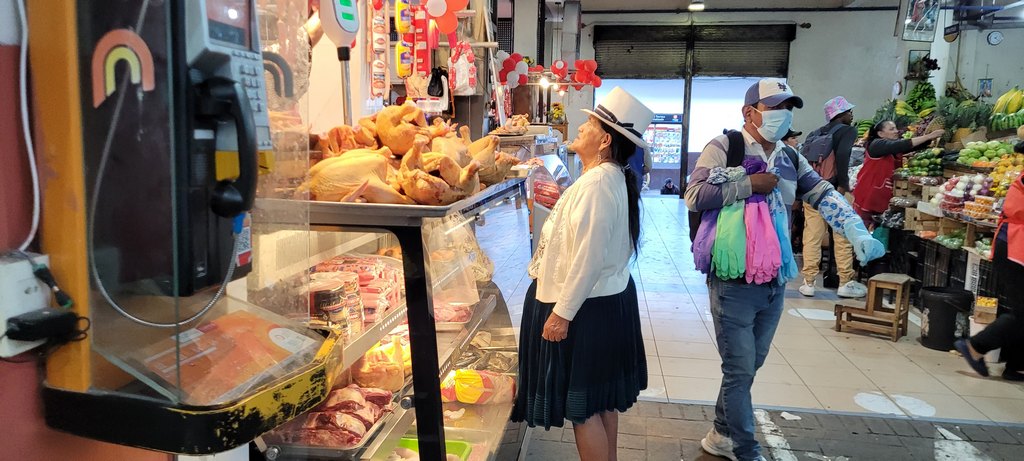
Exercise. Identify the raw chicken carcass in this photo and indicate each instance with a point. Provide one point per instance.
(441, 128)
(453, 148)
(398, 127)
(494, 165)
(366, 133)
(451, 185)
(352, 177)
(344, 138)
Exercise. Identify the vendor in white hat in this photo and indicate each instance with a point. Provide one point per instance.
(581, 352)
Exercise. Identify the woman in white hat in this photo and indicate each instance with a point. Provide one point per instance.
(581, 350)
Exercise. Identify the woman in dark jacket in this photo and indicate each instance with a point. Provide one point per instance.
(884, 151)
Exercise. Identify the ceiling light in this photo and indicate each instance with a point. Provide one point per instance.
(544, 82)
(696, 5)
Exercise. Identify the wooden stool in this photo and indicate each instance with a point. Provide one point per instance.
(873, 316)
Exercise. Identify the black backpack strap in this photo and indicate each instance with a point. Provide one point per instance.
(737, 150)
(734, 157)
(791, 153)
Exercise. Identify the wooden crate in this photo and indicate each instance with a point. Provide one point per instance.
(984, 315)
(901, 188)
(918, 221)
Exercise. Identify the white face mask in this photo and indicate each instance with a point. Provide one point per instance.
(775, 124)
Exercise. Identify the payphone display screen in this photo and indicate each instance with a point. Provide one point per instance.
(230, 22)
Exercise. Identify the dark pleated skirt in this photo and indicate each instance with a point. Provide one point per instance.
(600, 366)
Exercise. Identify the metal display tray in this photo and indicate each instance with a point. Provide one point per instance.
(382, 214)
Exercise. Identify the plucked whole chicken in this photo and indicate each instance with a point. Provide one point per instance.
(394, 157)
(398, 127)
(357, 175)
(436, 179)
(494, 164)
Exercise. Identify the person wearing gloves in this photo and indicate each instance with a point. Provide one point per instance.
(743, 245)
(581, 351)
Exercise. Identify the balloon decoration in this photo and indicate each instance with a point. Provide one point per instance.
(514, 70)
(443, 13)
(560, 69)
(585, 74)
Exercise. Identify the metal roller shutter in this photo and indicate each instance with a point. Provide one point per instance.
(659, 52)
(741, 51)
(641, 52)
(741, 59)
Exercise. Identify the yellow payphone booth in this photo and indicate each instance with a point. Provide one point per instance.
(225, 305)
(153, 126)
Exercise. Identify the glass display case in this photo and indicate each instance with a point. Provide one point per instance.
(433, 360)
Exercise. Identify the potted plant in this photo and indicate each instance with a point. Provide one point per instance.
(556, 115)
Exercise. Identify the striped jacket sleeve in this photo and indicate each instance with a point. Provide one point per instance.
(700, 195)
(809, 186)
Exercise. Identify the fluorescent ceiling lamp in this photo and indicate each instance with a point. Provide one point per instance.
(696, 5)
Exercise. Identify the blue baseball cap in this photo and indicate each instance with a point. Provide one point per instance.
(772, 92)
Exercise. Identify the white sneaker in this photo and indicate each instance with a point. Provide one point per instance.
(717, 444)
(852, 289)
(807, 289)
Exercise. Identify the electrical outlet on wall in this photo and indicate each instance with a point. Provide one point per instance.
(20, 292)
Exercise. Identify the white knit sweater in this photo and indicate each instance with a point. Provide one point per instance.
(584, 247)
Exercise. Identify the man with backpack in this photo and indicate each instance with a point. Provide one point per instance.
(746, 305)
(828, 151)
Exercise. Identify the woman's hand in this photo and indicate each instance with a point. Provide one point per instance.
(555, 328)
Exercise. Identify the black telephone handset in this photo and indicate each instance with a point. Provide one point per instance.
(226, 97)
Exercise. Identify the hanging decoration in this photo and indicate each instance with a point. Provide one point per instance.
(514, 70)
(560, 68)
(585, 74)
(443, 13)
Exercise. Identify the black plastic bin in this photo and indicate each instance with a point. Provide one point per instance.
(945, 318)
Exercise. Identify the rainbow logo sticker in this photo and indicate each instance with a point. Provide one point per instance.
(116, 46)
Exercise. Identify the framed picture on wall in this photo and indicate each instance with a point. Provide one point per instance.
(920, 19)
(985, 87)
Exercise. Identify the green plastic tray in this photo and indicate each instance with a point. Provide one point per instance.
(453, 447)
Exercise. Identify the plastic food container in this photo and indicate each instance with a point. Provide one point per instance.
(453, 447)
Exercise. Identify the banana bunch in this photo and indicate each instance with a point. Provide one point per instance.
(1008, 113)
(1010, 102)
(902, 108)
(926, 112)
(863, 127)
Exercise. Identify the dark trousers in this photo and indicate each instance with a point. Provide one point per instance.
(1007, 331)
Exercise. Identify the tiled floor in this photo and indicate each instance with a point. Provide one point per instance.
(810, 366)
(669, 432)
